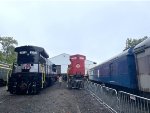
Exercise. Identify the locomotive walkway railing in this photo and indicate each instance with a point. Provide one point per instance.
(118, 102)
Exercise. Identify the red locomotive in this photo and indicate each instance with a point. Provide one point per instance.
(76, 71)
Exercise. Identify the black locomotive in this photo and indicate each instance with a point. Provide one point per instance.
(32, 71)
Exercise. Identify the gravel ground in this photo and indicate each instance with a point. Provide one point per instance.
(3, 93)
(54, 99)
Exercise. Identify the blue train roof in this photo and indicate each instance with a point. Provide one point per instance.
(32, 48)
(143, 45)
(124, 53)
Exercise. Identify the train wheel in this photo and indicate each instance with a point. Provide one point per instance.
(15, 91)
(69, 86)
(35, 88)
(82, 84)
(13, 88)
(78, 84)
(12, 91)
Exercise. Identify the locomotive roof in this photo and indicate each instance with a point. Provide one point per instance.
(78, 55)
(124, 53)
(141, 46)
(32, 48)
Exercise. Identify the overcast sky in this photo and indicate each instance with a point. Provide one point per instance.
(97, 29)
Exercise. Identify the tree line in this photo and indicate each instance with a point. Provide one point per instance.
(7, 54)
(8, 44)
(132, 42)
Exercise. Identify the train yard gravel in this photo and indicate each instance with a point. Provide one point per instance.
(54, 99)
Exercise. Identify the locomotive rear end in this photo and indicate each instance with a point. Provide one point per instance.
(76, 71)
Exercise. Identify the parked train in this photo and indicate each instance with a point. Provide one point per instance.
(129, 71)
(32, 71)
(76, 71)
(4, 71)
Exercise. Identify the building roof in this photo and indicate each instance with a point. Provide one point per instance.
(70, 55)
(59, 55)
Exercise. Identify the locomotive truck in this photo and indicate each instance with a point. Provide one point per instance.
(76, 71)
(32, 71)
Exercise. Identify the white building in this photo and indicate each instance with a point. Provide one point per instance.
(63, 60)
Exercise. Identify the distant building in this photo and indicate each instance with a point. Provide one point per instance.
(63, 60)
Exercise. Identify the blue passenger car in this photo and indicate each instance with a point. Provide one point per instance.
(118, 71)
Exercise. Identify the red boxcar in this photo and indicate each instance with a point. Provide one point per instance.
(76, 71)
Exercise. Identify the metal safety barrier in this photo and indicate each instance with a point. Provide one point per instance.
(105, 94)
(119, 102)
(129, 103)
